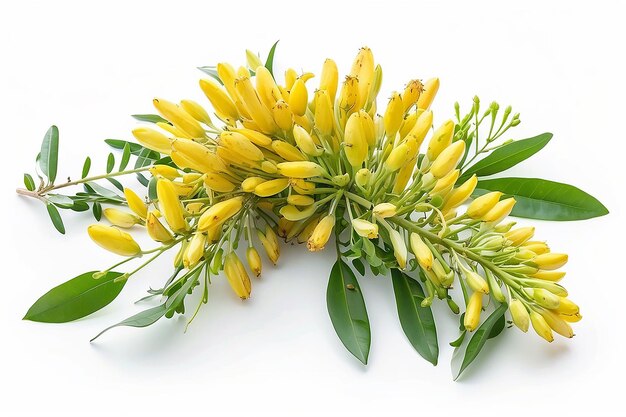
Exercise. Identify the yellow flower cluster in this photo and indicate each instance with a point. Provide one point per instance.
(298, 159)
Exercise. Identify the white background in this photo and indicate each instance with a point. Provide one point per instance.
(87, 66)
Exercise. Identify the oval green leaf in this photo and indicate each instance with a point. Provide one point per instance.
(97, 211)
(545, 200)
(55, 216)
(110, 163)
(417, 321)
(29, 183)
(347, 311)
(76, 298)
(151, 118)
(86, 168)
(125, 157)
(142, 319)
(49, 154)
(507, 156)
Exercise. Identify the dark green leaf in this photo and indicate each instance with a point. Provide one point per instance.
(497, 327)
(269, 63)
(507, 156)
(110, 162)
(86, 167)
(57, 221)
(543, 199)
(49, 155)
(29, 183)
(480, 337)
(144, 159)
(116, 183)
(152, 193)
(143, 180)
(142, 319)
(76, 298)
(347, 311)
(151, 118)
(60, 200)
(135, 148)
(358, 265)
(80, 206)
(125, 157)
(456, 343)
(97, 211)
(417, 321)
(212, 71)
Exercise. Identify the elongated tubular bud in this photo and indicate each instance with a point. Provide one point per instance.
(257, 138)
(232, 158)
(539, 248)
(271, 187)
(218, 213)
(499, 211)
(384, 210)
(170, 205)
(284, 227)
(519, 314)
(287, 151)
(195, 250)
(556, 323)
(472, 313)
(550, 261)
(300, 169)
(254, 261)
(354, 141)
(294, 214)
(520, 236)
(166, 171)
(362, 176)
(476, 282)
(567, 307)
(363, 70)
(153, 139)
(542, 328)
(364, 228)
(409, 123)
(321, 233)
(304, 231)
(173, 130)
(218, 183)
(428, 95)
(179, 118)
(237, 276)
(120, 218)
(113, 240)
(135, 203)
(442, 138)
(403, 177)
(329, 79)
(400, 250)
(189, 154)
(241, 145)
(459, 195)
(545, 298)
(266, 87)
(260, 114)
(270, 244)
(290, 78)
(553, 276)
(369, 129)
(196, 111)
(444, 185)
(298, 98)
(156, 230)
(397, 158)
(282, 115)
(305, 141)
(323, 118)
(421, 128)
(348, 99)
(411, 94)
(249, 184)
(300, 200)
(394, 115)
(448, 159)
(421, 251)
(483, 204)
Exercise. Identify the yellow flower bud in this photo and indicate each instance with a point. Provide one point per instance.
(557, 323)
(428, 94)
(156, 230)
(153, 139)
(300, 169)
(287, 151)
(571, 319)
(305, 142)
(399, 247)
(499, 211)
(421, 251)
(550, 261)
(269, 167)
(271, 187)
(194, 208)
(445, 184)
(284, 227)
(324, 118)
(459, 195)
(304, 233)
(249, 184)
(300, 200)
(364, 228)
(170, 205)
(537, 247)
(292, 213)
(409, 123)
(218, 213)
(237, 276)
(120, 218)
(411, 94)
(448, 159)
(329, 79)
(257, 138)
(321, 233)
(253, 60)
(290, 78)
(520, 235)
(541, 326)
(223, 105)
(442, 138)
(179, 118)
(189, 154)
(282, 115)
(567, 307)
(394, 115)
(472, 313)
(398, 157)
(404, 175)
(553, 276)
(254, 261)
(298, 98)
(241, 145)
(302, 187)
(173, 130)
(354, 141)
(218, 183)
(270, 244)
(113, 240)
(266, 87)
(421, 127)
(384, 210)
(166, 171)
(544, 297)
(483, 204)
(519, 314)
(194, 250)
(369, 129)
(196, 111)
(260, 114)
(135, 203)
(362, 177)
(476, 282)
(348, 99)
(363, 70)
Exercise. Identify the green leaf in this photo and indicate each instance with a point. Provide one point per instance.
(125, 157)
(347, 311)
(57, 221)
(76, 298)
(86, 167)
(142, 319)
(49, 154)
(105, 192)
(97, 211)
(417, 321)
(143, 180)
(151, 118)
(544, 200)
(498, 327)
(507, 156)
(135, 148)
(116, 183)
(110, 163)
(152, 193)
(358, 265)
(29, 183)
(60, 200)
(269, 63)
(480, 337)
(212, 71)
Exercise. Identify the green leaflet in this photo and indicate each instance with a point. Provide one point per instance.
(29, 183)
(417, 321)
(55, 216)
(544, 200)
(135, 148)
(76, 298)
(151, 118)
(347, 311)
(49, 155)
(269, 63)
(142, 319)
(507, 156)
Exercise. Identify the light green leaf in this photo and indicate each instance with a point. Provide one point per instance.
(29, 183)
(142, 319)
(49, 154)
(151, 118)
(125, 157)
